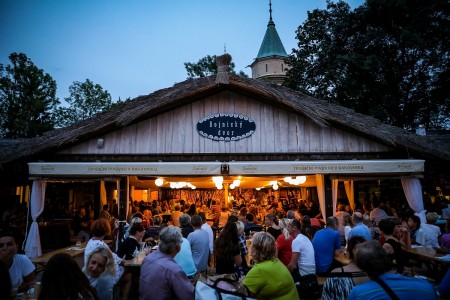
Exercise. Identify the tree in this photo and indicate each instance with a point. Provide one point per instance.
(387, 58)
(86, 99)
(27, 99)
(206, 66)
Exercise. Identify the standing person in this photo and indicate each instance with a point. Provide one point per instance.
(260, 279)
(303, 264)
(227, 250)
(104, 214)
(161, 276)
(176, 214)
(100, 271)
(185, 224)
(81, 225)
(272, 223)
(377, 213)
(327, 245)
(63, 279)
(185, 261)
(199, 241)
(242, 244)
(374, 260)
(359, 229)
(21, 269)
(206, 227)
(223, 217)
(284, 243)
(341, 214)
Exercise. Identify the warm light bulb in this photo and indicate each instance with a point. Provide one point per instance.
(159, 181)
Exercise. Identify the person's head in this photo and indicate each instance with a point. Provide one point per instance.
(157, 220)
(243, 211)
(386, 226)
(352, 243)
(263, 247)
(332, 223)
(63, 279)
(271, 219)
(106, 207)
(371, 257)
(177, 208)
(8, 246)
(294, 227)
(170, 239)
(196, 221)
(341, 207)
(431, 217)
(249, 218)
(213, 202)
(203, 216)
(230, 232)
(414, 222)
(240, 227)
(357, 217)
(137, 230)
(100, 228)
(233, 217)
(185, 220)
(223, 208)
(290, 214)
(284, 223)
(100, 261)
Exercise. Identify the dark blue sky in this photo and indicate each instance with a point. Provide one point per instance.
(135, 47)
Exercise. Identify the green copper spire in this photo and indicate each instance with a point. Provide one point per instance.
(271, 44)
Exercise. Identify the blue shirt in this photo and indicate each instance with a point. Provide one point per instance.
(325, 242)
(184, 259)
(361, 230)
(199, 241)
(404, 287)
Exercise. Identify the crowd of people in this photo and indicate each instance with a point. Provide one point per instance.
(279, 249)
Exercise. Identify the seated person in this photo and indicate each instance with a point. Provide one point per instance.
(375, 261)
(152, 233)
(251, 225)
(259, 280)
(21, 269)
(342, 280)
(100, 271)
(63, 279)
(131, 245)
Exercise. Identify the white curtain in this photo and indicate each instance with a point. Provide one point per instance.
(33, 240)
(102, 194)
(350, 191)
(413, 192)
(321, 194)
(334, 193)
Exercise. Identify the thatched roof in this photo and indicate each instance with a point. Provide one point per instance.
(142, 107)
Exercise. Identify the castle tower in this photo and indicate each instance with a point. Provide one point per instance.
(269, 63)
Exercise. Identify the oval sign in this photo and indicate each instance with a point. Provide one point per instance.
(226, 127)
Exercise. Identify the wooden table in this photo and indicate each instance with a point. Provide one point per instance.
(429, 256)
(73, 251)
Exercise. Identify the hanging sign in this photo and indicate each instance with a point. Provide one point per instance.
(226, 127)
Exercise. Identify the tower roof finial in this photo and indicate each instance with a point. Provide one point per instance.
(270, 10)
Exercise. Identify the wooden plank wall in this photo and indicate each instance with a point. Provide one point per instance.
(277, 131)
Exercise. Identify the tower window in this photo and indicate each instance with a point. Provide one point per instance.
(266, 68)
(282, 69)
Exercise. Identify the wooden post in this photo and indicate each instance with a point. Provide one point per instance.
(328, 196)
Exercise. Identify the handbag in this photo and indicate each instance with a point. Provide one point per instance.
(204, 291)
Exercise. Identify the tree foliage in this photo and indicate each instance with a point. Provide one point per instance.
(86, 99)
(27, 98)
(206, 66)
(386, 58)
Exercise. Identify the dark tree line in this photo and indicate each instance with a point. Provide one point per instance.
(386, 58)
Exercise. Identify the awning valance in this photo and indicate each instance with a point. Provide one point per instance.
(131, 168)
(406, 166)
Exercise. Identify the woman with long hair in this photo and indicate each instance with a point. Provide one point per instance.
(284, 243)
(100, 270)
(272, 223)
(63, 279)
(269, 278)
(228, 254)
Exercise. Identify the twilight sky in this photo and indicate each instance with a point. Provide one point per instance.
(136, 47)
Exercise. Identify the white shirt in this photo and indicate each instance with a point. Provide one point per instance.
(20, 268)
(208, 229)
(377, 214)
(432, 233)
(306, 260)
